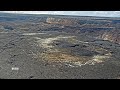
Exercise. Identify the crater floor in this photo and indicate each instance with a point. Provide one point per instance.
(63, 47)
(57, 55)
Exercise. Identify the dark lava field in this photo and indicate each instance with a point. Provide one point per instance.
(59, 47)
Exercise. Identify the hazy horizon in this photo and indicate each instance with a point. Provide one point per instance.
(75, 13)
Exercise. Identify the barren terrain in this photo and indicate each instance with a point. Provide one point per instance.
(59, 47)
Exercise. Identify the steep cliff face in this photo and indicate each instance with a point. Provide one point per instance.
(113, 36)
(61, 21)
(94, 29)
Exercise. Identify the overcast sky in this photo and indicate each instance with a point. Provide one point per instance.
(80, 13)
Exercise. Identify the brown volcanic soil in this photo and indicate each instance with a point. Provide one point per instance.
(113, 36)
(62, 21)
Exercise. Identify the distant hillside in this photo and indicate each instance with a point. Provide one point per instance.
(107, 28)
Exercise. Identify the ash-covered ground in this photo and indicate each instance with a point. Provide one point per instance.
(60, 47)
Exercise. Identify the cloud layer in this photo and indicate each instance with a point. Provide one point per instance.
(79, 13)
